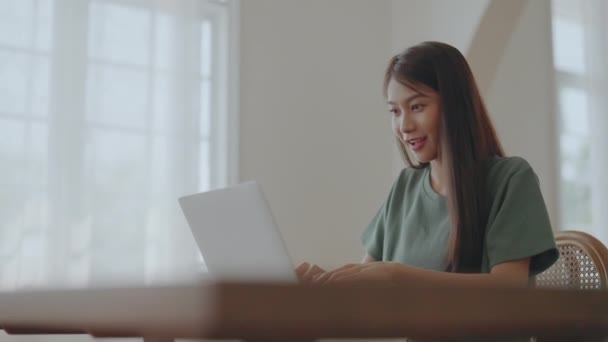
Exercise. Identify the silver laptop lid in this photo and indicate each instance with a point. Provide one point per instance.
(237, 234)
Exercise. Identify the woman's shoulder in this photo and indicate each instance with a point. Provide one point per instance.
(503, 169)
(508, 165)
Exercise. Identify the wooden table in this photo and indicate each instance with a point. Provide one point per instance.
(286, 312)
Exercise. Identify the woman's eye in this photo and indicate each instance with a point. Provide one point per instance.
(417, 107)
(393, 111)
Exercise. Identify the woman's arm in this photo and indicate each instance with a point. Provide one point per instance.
(512, 273)
(306, 272)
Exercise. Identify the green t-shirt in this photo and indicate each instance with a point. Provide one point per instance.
(412, 226)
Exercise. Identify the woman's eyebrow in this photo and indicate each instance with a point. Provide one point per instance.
(408, 99)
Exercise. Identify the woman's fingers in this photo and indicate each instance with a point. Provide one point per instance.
(306, 272)
(313, 271)
(302, 269)
(338, 273)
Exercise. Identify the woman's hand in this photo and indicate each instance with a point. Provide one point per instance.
(307, 272)
(386, 273)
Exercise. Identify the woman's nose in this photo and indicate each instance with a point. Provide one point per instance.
(406, 125)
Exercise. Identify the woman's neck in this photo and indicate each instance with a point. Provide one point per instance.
(439, 181)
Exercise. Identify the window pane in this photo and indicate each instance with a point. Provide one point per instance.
(574, 111)
(12, 158)
(158, 216)
(116, 161)
(79, 246)
(117, 172)
(10, 270)
(576, 205)
(11, 229)
(37, 156)
(44, 24)
(24, 83)
(205, 117)
(204, 167)
(36, 212)
(119, 33)
(575, 158)
(16, 23)
(14, 74)
(165, 38)
(161, 167)
(34, 254)
(39, 100)
(11, 222)
(78, 271)
(113, 214)
(206, 49)
(164, 104)
(568, 45)
(117, 96)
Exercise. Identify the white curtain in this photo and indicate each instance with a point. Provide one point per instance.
(597, 51)
(580, 55)
(109, 111)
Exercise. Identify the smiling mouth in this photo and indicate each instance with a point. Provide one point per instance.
(412, 141)
(417, 144)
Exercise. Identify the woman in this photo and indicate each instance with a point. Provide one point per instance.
(461, 213)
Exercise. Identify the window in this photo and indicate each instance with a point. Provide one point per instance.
(581, 81)
(109, 111)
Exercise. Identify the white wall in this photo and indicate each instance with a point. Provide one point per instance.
(314, 129)
(452, 22)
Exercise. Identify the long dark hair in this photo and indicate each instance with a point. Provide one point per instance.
(467, 140)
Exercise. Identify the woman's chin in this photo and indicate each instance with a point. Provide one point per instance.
(423, 157)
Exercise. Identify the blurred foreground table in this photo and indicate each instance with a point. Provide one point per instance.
(288, 312)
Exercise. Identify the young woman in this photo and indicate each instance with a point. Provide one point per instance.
(461, 212)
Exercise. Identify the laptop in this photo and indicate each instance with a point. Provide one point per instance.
(237, 235)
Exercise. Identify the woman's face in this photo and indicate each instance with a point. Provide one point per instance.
(416, 115)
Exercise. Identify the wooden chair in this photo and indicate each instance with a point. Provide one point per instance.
(582, 264)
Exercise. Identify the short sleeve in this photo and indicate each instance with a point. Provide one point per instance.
(519, 225)
(373, 236)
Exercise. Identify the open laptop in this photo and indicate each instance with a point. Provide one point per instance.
(237, 234)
